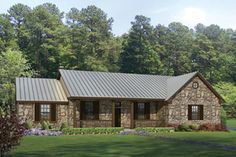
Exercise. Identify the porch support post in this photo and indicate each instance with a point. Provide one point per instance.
(132, 116)
(74, 114)
(113, 113)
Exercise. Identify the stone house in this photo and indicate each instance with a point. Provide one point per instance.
(103, 99)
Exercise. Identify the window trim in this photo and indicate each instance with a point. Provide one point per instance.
(200, 112)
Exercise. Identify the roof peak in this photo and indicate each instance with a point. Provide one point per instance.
(104, 72)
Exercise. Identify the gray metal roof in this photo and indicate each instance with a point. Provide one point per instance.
(37, 89)
(114, 85)
(175, 83)
(121, 85)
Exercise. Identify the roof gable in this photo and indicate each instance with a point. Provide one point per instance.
(183, 80)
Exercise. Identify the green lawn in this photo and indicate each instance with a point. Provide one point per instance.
(227, 138)
(231, 123)
(117, 145)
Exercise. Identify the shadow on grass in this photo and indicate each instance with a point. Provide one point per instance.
(116, 146)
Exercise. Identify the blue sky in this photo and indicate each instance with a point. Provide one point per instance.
(189, 12)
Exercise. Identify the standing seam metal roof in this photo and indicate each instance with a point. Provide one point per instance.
(115, 85)
(82, 84)
(37, 89)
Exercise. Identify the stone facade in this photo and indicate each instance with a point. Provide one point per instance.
(178, 108)
(126, 114)
(26, 112)
(162, 113)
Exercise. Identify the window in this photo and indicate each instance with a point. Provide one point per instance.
(195, 85)
(89, 110)
(195, 112)
(142, 111)
(45, 112)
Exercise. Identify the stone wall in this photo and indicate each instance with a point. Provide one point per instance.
(178, 108)
(26, 112)
(157, 116)
(62, 115)
(105, 115)
(126, 114)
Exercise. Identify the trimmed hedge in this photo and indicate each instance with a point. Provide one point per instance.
(156, 129)
(81, 131)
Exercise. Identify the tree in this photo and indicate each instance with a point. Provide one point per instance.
(42, 30)
(12, 64)
(6, 34)
(177, 49)
(17, 17)
(228, 92)
(141, 53)
(92, 45)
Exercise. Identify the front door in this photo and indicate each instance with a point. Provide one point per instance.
(117, 114)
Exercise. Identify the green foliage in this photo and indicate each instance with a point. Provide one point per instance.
(194, 127)
(63, 126)
(28, 125)
(184, 127)
(156, 129)
(228, 92)
(141, 54)
(223, 117)
(80, 131)
(44, 125)
(12, 64)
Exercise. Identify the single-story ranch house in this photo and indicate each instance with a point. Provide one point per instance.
(104, 99)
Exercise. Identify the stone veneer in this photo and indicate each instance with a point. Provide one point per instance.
(105, 115)
(178, 108)
(26, 113)
(161, 113)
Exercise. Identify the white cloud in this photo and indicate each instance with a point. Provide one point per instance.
(191, 16)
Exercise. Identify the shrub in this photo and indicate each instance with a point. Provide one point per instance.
(44, 125)
(11, 131)
(184, 127)
(28, 125)
(194, 127)
(207, 127)
(223, 118)
(155, 129)
(63, 126)
(81, 131)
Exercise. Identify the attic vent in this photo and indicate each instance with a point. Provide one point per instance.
(195, 85)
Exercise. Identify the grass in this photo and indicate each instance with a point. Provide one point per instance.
(231, 123)
(117, 145)
(227, 138)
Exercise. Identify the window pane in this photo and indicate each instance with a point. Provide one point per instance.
(88, 110)
(141, 111)
(45, 112)
(195, 112)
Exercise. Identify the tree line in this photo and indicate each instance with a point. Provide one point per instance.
(45, 39)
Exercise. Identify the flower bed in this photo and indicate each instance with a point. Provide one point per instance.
(81, 131)
(156, 129)
(40, 132)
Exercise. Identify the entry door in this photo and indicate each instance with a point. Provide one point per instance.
(117, 114)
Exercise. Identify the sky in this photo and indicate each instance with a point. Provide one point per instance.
(188, 12)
